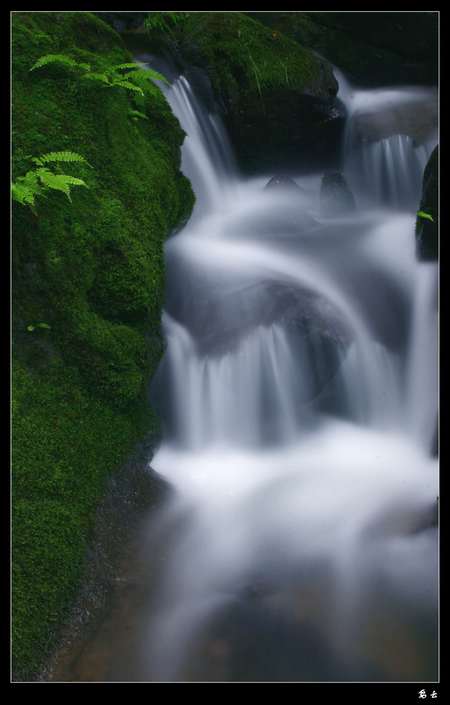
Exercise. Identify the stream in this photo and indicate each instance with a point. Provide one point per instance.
(299, 399)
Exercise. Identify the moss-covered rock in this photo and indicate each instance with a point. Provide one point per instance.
(372, 48)
(427, 228)
(278, 98)
(93, 271)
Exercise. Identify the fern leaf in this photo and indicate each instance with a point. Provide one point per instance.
(52, 59)
(147, 75)
(119, 67)
(64, 156)
(85, 67)
(22, 194)
(54, 181)
(137, 114)
(425, 215)
(129, 86)
(73, 180)
(30, 179)
(102, 77)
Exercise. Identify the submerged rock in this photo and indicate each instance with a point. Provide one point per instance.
(427, 227)
(414, 115)
(283, 182)
(335, 195)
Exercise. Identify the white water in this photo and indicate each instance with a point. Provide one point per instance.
(299, 396)
(383, 163)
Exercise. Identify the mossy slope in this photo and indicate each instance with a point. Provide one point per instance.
(93, 271)
(372, 48)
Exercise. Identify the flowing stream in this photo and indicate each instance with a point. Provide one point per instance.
(298, 393)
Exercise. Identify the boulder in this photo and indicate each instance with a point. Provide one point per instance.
(427, 227)
(278, 99)
(335, 195)
(283, 183)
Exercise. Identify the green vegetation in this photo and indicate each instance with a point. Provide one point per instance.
(427, 221)
(265, 83)
(40, 179)
(366, 46)
(43, 326)
(93, 270)
(427, 216)
(111, 77)
(241, 55)
(163, 21)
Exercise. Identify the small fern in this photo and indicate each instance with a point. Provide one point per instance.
(128, 76)
(42, 326)
(55, 59)
(425, 215)
(119, 67)
(41, 179)
(128, 85)
(136, 114)
(65, 156)
(95, 76)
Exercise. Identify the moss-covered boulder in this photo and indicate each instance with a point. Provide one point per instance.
(278, 98)
(372, 48)
(427, 223)
(92, 270)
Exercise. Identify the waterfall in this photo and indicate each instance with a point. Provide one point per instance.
(298, 395)
(382, 161)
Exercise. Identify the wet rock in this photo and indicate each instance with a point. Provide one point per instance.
(335, 195)
(415, 115)
(427, 227)
(283, 183)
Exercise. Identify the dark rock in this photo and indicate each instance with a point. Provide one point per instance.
(284, 183)
(335, 195)
(427, 230)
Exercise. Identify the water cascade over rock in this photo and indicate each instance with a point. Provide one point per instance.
(390, 135)
(298, 393)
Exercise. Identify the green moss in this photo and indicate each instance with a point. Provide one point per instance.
(243, 55)
(371, 48)
(93, 270)
(64, 445)
(272, 90)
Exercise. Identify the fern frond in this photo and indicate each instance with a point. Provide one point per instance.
(98, 77)
(119, 67)
(22, 194)
(73, 180)
(52, 59)
(30, 179)
(65, 156)
(137, 114)
(54, 181)
(146, 75)
(129, 86)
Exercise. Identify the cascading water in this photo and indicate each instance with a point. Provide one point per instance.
(389, 137)
(298, 393)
